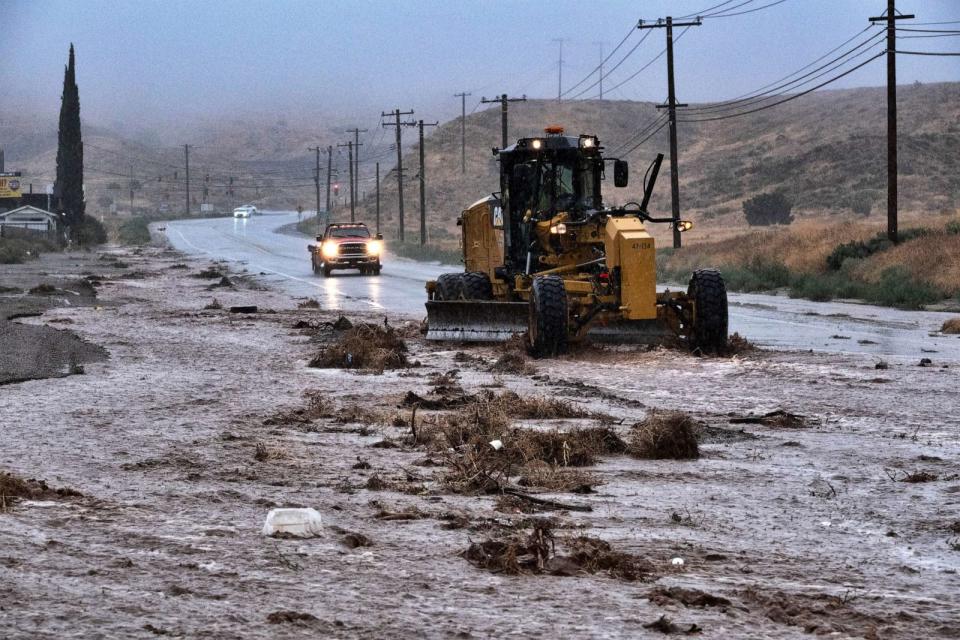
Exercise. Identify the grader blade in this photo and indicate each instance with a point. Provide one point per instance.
(475, 320)
(631, 332)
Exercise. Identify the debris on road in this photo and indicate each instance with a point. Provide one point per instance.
(665, 435)
(364, 346)
(779, 418)
(294, 522)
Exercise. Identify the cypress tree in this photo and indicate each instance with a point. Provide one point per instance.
(68, 189)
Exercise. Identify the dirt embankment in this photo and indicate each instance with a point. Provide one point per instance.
(466, 491)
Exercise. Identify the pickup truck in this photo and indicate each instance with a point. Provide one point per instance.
(347, 246)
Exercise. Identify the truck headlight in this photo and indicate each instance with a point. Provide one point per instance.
(374, 247)
(329, 249)
(558, 229)
(684, 225)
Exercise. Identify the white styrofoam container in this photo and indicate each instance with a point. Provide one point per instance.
(303, 523)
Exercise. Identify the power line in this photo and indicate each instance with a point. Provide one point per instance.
(703, 11)
(927, 53)
(651, 134)
(615, 67)
(644, 67)
(639, 132)
(807, 78)
(603, 61)
(740, 13)
(750, 94)
(788, 99)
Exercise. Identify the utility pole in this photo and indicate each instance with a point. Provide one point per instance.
(396, 113)
(423, 185)
(890, 18)
(329, 172)
(463, 129)
(503, 100)
(600, 43)
(559, 69)
(349, 146)
(186, 158)
(356, 159)
(316, 180)
(378, 198)
(131, 190)
(672, 110)
(1, 159)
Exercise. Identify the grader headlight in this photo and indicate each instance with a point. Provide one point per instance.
(684, 225)
(558, 229)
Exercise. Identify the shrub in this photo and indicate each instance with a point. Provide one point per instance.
(861, 202)
(953, 227)
(767, 209)
(134, 231)
(90, 232)
(898, 288)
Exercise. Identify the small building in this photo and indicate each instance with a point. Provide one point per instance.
(29, 218)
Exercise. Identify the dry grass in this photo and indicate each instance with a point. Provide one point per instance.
(951, 326)
(365, 346)
(931, 259)
(463, 437)
(665, 435)
(803, 246)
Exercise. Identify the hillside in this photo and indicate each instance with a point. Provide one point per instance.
(825, 150)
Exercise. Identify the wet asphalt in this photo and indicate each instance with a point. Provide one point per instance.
(767, 320)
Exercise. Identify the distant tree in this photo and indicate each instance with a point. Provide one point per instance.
(68, 188)
(768, 208)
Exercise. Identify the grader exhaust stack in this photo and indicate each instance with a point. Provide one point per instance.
(545, 258)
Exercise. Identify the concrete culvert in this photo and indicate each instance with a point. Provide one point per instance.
(665, 436)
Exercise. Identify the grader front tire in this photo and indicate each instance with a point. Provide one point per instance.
(710, 319)
(547, 329)
(449, 286)
(475, 285)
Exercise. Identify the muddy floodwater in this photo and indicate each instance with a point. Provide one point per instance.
(839, 515)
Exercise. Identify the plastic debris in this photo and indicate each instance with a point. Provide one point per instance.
(496, 444)
(677, 562)
(297, 522)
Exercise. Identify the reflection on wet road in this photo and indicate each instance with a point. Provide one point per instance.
(253, 243)
(772, 321)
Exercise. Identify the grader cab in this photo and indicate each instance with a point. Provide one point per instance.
(545, 257)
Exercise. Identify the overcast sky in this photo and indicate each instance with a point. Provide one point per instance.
(146, 60)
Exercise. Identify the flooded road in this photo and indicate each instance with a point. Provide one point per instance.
(767, 320)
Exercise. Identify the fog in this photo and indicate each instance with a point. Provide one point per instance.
(153, 65)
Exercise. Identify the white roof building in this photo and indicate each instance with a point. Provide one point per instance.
(29, 217)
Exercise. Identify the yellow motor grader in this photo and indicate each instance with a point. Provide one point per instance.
(545, 257)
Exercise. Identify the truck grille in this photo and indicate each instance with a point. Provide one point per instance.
(353, 249)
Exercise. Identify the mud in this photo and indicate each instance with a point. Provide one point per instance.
(800, 528)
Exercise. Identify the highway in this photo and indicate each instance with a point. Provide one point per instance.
(766, 320)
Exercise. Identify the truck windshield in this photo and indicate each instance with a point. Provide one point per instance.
(348, 232)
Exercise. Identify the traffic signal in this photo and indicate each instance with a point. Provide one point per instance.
(336, 188)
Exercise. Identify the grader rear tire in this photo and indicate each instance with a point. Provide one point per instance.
(449, 286)
(475, 285)
(547, 331)
(710, 320)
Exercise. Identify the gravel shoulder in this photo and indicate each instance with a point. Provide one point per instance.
(198, 424)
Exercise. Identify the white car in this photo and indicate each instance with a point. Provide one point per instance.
(245, 211)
